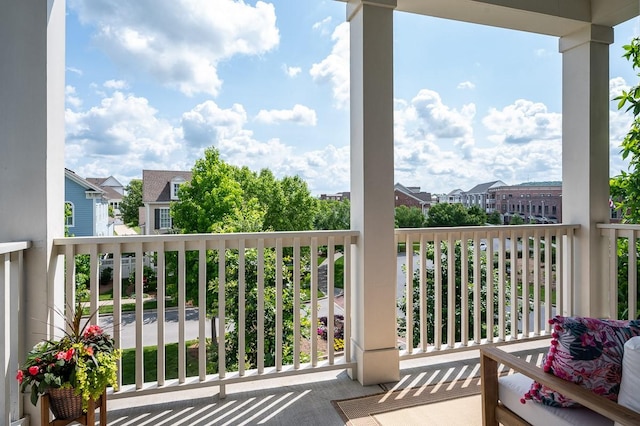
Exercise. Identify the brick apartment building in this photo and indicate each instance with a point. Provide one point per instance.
(534, 202)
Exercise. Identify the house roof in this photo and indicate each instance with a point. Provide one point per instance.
(484, 187)
(413, 192)
(108, 185)
(156, 184)
(90, 187)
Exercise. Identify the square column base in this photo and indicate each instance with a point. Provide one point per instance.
(375, 366)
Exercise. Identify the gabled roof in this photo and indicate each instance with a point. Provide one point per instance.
(88, 186)
(156, 186)
(108, 185)
(413, 192)
(484, 187)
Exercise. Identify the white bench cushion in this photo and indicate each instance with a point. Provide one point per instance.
(511, 388)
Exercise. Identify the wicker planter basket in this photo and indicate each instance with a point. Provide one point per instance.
(65, 404)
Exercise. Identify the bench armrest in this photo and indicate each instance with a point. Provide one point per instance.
(490, 358)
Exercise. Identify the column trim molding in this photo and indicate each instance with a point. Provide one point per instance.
(588, 34)
(354, 6)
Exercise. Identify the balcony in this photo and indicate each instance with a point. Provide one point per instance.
(578, 274)
(531, 282)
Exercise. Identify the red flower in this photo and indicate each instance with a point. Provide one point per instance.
(92, 330)
(33, 370)
(20, 376)
(66, 355)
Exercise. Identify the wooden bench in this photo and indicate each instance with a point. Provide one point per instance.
(494, 412)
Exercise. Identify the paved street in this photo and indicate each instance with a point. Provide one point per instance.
(150, 328)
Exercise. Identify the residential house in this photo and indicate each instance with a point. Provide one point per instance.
(479, 196)
(159, 189)
(338, 196)
(411, 196)
(452, 197)
(88, 205)
(113, 189)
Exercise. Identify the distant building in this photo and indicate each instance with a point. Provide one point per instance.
(479, 196)
(113, 189)
(159, 189)
(453, 197)
(339, 196)
(411, 196)
(88, 205)
(534, 202)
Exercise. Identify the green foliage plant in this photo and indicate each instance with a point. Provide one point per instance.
(84, 359)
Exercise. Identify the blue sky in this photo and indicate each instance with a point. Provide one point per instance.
(152, 83)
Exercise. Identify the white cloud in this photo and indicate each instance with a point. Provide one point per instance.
(323, 25)
(116, 84)
(523, 122)
(71, 97)
(291, 71)
(466, 85)
(181, 42)
(300, 114)
(120, 134)
(334, 69)
(616, 86)
(75, 70)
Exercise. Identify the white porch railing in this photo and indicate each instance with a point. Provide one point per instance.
(11, 276)
(257, 265)
(623, 241)
(488, 292)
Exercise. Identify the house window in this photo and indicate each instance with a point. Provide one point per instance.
(175, 186)
(69, 214)
(163, 218)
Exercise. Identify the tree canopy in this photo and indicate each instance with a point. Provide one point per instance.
(224, 198)
(332, 215)
(409, 217)
(131, 202)
(625, 187)
(444, 214)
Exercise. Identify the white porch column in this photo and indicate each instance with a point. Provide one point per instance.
(32, 58)
(585, 160)
(372, 198)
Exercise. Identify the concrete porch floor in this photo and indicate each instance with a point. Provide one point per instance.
(288, 401)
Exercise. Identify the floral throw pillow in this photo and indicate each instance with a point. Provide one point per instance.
(586, 351)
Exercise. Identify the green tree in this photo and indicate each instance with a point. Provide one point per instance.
(212, 198)
(444, 214)
(409, 217)
(332, 215)
(516, 220)
(625, 187)
(131, 202)
(494, 218)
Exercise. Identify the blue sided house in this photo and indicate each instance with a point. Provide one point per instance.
(89, 207)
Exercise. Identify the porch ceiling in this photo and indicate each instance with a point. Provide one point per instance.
(551, 17)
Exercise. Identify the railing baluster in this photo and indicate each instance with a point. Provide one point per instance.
(296, 304)
(139, 320)
(451, 292)
(94, 283)
(260, 307)
(279, 307)
(330, 300)
(536, 283)
(514, 301)
(464, 289)
(489, 284)
(242, 321)
(202, 310)
(222, 315)
(502, 265)
(182, 311)
(559, 273)
(160, 309)
(633, 275)
(409, 293)
(437, 281)
(526, 302)
(477, 285)
(548, 269)
(314, 301)
(117, 305)
(423, 295)
(347, 299)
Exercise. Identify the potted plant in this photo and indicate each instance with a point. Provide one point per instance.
(80, 365)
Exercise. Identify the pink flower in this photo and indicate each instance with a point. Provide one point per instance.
(92, 330)
(89, 350)
(66, 355)
(20, 376)
(33, 370)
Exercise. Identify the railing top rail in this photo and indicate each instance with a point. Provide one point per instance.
(14, 246)
(199, 237)
(620, 226)
(485, 229)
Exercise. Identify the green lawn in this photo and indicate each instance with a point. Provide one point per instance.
(150, 355)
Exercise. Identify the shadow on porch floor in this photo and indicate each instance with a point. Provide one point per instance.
(307, 400)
